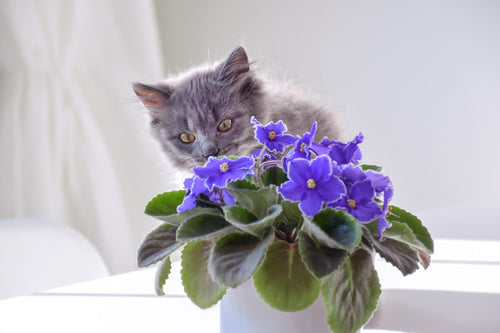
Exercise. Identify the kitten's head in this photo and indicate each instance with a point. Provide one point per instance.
(205, 112)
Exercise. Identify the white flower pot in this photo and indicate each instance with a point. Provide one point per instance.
(243, 311)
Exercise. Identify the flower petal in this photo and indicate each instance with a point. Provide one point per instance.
(382, 225)
(299, 170)
(367, 212)
(321, 168)
(292, 191)
(310, 204)
(244, 162)
(362, 191)
(330, 190)
(353, 174)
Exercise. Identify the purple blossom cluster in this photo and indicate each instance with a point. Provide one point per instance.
(210, 180)
(325, 174)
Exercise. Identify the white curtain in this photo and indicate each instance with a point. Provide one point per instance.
(74, 145)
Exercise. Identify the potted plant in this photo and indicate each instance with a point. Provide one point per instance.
(300, 219)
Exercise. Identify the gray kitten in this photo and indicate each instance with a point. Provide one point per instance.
(206, 112)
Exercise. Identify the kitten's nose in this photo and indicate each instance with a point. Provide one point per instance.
(210, 151)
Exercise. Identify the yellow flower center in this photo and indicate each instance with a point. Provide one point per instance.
(224, 167)
(272, 135)
(351, 203)
(302, 146)
(311, 183)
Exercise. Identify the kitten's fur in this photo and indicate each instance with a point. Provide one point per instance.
(196, 103)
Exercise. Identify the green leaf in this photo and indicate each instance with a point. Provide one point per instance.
(202, 227)
(319, 259)
(177, 219)
(243, 219)
(402, 233)
(335, 229)
(162, 274)
(197, 282)
(256, 201)
(291, 216)
(158, 244)
(399, 254)
(283, 281)
(416, 226)
(165, 204)
(243, 185)
(273, 176)
(371, 167)
(351, 293)
(235, 258)
(402, 256)
(239, 215)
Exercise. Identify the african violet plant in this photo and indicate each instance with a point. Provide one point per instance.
(300, 225)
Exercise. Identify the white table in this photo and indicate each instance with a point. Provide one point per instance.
(122, 303)
(460, 290)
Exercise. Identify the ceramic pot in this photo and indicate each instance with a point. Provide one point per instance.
(243, 311)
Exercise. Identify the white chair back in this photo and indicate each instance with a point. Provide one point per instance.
(37, 254)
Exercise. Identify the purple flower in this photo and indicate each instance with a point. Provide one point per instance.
(379, 181)
(344, 153)
(220, 172)
(266, 156)
(382, 220)
(301, 149)
(352, 174)
(195, 187)
(312, 183)
(382, 185)
(323, 147)
(272, 135)
(222, 196)
(358, 201)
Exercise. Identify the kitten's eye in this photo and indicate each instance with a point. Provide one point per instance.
(186, 137)
(225, 125)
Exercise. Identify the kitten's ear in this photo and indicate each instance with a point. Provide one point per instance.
(153, 97)
(235, 65)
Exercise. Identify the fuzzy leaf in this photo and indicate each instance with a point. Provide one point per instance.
(416, 226)
(319, 259)
(351, 293)
(283, 281)
(202, 226)
(235, 257)
(243, 219)
(335, 229)
(243, 185)
(158, 244)
(179, 218)
(197, 282)
(165, 203)
(424, 258)
(291, 216)
(403, 233)
(274, 176)
(256, 201)
(162, 274)
(399, 254)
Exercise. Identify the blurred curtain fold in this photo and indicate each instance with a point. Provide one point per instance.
(74, 145)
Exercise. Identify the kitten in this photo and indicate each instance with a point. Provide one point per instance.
(207, 111)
